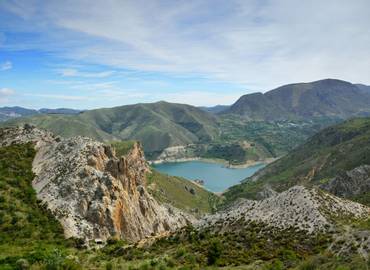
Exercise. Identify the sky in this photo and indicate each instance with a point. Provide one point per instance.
(89, 54)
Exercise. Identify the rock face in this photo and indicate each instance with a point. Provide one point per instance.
(350, 183)
(310, 210)
(180, 153)
(91, 191)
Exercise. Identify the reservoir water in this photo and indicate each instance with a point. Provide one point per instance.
(216, 177)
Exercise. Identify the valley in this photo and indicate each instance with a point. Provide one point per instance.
(184, 135)
(171, 131)
(172, 186)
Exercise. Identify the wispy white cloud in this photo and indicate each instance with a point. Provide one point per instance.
(5, 93)
(6, 65)
(259, 44)
(58, 97)
(70, 72)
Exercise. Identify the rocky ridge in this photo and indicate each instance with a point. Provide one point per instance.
(350, 183)
(309, 210)
(91, 191)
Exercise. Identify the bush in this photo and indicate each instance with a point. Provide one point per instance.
(276, 265)
(214, 252)
(22, 264)
(109, 266)
(180, 252)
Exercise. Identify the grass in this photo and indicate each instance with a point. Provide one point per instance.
(327, 261)
(27, 228)
(122, 147)
(181, 193)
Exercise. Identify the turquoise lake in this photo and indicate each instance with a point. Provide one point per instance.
(216, 177)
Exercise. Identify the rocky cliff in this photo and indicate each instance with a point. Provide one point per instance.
(91, 191)
(310, 210)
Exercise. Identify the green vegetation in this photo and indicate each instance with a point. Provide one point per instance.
(362, 198)
(30, 238)
(181, 193)
(159, 125)
(263, 139)
(334, 150)
(122, 147)
(156, 125)
(327, 261)
(247, 244)
(324, 98)
(27, 230)
(256, 127)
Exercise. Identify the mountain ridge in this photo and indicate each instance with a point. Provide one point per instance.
(332, 152)
(328, 97)
(93, 193)
(164, 127)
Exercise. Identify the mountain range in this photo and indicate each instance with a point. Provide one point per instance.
(270, 124)
(330, 98)
(71, 202)
(7, 113)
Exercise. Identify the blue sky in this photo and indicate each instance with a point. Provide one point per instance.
(89, 54)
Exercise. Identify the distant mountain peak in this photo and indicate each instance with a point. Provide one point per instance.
(323, 98)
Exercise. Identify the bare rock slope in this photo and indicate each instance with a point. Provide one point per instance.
(91, 191)
(310, 210)
(350, 183)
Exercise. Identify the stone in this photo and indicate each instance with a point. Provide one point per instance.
(299, 207)
(93, 193)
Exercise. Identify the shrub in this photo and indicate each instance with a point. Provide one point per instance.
(109, 266)
(22, 264)
(214, 252)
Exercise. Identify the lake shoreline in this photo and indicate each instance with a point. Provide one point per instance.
(248, 163)
(211, 174)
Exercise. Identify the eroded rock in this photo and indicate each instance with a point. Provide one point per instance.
(91, 191)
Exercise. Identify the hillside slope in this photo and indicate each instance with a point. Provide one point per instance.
(24, 223)
(156, 125)
(92, 192)
(297, 229)
(332, 151)
(7, 113)
(42, 182)
(330, 98)
(280, 232)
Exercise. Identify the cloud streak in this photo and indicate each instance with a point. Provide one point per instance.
(6, 65)
(69, 72)
(5, 93)
(59, 97)
(253, 43)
